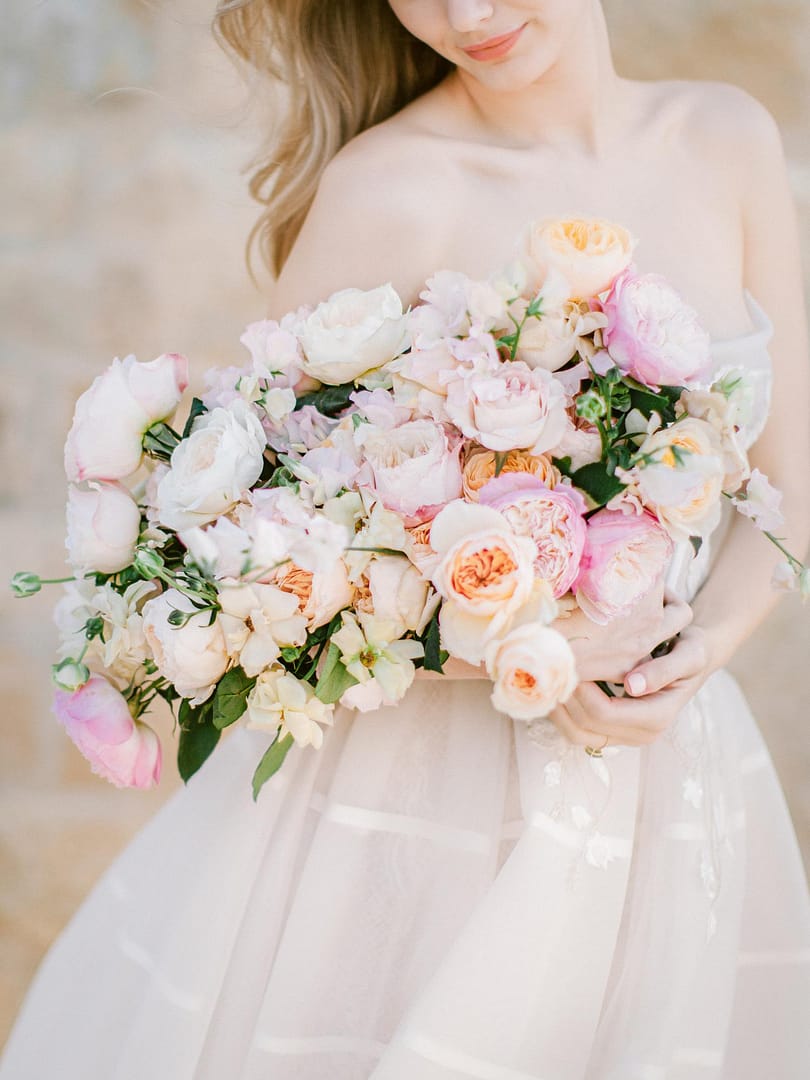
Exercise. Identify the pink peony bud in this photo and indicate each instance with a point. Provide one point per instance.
(97, 718)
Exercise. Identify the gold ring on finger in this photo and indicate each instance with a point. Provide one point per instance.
(592, 752)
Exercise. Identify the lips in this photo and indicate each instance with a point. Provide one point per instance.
(495, 46)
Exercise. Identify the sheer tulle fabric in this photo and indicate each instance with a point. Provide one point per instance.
(442, 894)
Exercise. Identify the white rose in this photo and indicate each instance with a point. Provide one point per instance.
(111, 417)
(103, 522)
(552, 340)
(513, 409)
(415, 466)
(353, 332)
(400, 593)
(533, 671)
(212, 467)
(193, 657)
(279, 700)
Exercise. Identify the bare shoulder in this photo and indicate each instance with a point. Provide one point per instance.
(375, 218)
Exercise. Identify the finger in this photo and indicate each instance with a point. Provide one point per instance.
(687, 659)
(674, 619)
(561, 718)
(594, 713)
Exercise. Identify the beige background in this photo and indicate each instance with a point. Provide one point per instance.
(123, 223)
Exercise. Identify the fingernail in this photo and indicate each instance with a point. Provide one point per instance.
(636, 683)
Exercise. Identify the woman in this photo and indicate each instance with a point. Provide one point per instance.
(438, 894)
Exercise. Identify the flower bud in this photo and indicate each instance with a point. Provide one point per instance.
(70, 674)
(148, 562)
(26, 583)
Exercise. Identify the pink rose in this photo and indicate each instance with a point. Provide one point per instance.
(624, 556)
(514, 408)
(103, 522)
(415, 466)
(552, 519)
(97, 718)
(652, 334)
(111, 417)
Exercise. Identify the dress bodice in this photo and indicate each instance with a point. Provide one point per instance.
(747, 353)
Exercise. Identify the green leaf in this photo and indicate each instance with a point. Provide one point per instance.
(597, 482)
(563, 464)
(197, 409)
(230, 699)
(329, 400)
(334, 678)
(433, 651)
(198, 737)
(271, 762)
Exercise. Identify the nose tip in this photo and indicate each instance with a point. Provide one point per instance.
(466, 15)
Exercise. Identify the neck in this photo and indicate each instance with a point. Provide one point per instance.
(571, 105)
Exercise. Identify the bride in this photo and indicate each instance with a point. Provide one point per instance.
(441, 894)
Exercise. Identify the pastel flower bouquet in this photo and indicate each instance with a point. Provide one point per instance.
(377, 490)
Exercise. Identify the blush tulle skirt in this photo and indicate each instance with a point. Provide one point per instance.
(441, 894)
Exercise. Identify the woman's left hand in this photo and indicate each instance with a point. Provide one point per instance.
(667, 685)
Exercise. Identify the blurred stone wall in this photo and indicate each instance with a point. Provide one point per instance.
(123, 221)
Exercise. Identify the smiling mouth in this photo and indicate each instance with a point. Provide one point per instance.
(496, 46)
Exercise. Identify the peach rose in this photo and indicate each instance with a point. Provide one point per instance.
(590, 254)
(481, 464)
(484, 573)
(533, 671)
(320, 595)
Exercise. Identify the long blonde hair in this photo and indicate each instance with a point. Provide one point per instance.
(344, 66)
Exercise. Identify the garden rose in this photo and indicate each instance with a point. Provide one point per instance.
(589, 254)
(683, 483)
(624, 556)
(553, 520)
(552, 340)
(399, 593)
(415, 467)
(97, 718)
(210, 469)
(320, 595)
(352, 333)
(485, 573)
(112, 416)
(533, 671)
(193, 657)
(513, 408)
(103, 523)
(653, 335)
(481, 464)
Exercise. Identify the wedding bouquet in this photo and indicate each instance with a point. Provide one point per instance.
(378, 490)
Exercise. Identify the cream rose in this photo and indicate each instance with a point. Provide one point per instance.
(280, 702)
(514, 408)
(682, 481)
(399, 593)
(321, 595)
(533, 671)
(103, 522)
(555, 338)
(352, 333)
(589, 253)
(257, 621)
(193, 657)
(484, 573)
(223, 456)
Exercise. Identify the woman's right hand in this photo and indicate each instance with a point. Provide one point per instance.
(607, 653)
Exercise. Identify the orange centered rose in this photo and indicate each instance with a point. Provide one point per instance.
(483, 569)
(523, 680)
(293, 579)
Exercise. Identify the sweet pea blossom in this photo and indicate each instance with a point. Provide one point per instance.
(257, 621)
(97, 718)
(368, 649)
(103, 522)
(112, 416)
(553, 520)
(653, 335)
(761, 502)
(624, 556)
(280, 702)
(514, 408)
